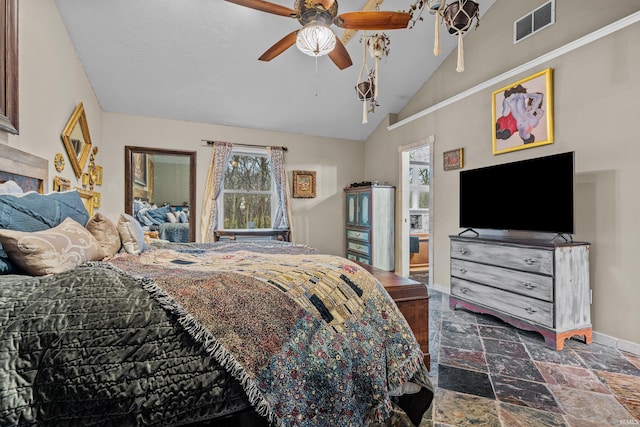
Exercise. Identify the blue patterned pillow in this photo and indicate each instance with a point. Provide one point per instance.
(32, 211)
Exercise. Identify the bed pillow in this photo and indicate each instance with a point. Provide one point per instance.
(171, 217)
(106, 233)
(35, 212)
(55, 250)
(10, 187)
(131, 234)
(158, 215)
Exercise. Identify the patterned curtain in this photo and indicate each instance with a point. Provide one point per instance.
(209, 218)
(282, 216)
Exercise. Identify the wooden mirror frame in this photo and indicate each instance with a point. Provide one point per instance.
(9, 68)
(129, 151)
(77, 159)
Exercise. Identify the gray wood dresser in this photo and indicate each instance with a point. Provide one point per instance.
(534, 285)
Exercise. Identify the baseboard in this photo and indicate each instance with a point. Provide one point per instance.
(600, 338)
(622, 345)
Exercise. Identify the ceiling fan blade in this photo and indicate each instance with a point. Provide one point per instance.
(340, 56)
(283, 44)
(266, 6)
(373, 20)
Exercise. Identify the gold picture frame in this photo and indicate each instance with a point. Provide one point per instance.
(98, 175)
(97, 199)
(87, 199)
(76, 139)
(522, 113)
(304, 184)
(61, 184)
(453, 159)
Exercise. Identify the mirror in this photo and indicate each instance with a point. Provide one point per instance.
(157, 182)
(76, 139)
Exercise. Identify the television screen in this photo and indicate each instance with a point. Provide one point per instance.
(531, 195)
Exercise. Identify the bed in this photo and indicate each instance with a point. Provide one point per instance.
(261, 333)
(171, 224)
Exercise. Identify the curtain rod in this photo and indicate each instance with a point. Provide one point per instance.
(210, 143)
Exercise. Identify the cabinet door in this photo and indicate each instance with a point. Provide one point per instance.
(352, 212)
(364, 209)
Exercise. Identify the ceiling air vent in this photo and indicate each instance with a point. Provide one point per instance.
(535, 21)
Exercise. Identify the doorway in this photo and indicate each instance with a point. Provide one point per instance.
(416, 180)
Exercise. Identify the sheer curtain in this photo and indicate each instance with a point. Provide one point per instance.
(209, 219)
(282, 216)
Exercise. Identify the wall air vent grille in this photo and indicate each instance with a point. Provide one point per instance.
(535, 21)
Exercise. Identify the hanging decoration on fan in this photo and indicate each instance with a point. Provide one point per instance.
(378, 45)
(458, 17)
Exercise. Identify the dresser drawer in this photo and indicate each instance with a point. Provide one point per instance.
(362, 235)
(528, 284)
(359, 258)
(363, 248)
(530, 309)
(525, 259)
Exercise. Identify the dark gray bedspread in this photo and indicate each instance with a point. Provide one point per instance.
(91, 347)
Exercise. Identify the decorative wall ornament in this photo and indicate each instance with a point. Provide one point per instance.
(76, 139)
(522, 113)
(453, 159)
(61, 184)
(97, 199)
(98, 175)
(91, 169)
(87, 199)
(9, 71)
(58, 162)
(304, 184)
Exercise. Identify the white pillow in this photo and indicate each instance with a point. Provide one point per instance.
(10, 187)
(171, 217)
(131, 234)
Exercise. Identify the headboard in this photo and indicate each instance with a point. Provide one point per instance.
(29, 171)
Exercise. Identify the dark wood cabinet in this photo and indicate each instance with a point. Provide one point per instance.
(412, 298)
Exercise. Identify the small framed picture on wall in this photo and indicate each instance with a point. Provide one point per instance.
(304, 184)
(452, 159)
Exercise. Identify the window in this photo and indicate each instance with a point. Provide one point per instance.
(247, 191)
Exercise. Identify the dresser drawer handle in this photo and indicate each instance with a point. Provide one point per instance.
(463, 270)
(529, 261)
(530, 310)
(462, 251)
(529, 285)
(464, 290)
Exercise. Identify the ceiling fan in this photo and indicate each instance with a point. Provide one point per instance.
(315, 38)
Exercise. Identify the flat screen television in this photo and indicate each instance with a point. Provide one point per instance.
(528, 195)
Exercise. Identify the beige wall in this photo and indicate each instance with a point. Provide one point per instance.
(52, 82)
(596, 113)
(318, 222)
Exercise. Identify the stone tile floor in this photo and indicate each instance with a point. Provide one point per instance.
(488, 373)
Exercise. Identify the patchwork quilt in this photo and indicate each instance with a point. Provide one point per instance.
(313, 339)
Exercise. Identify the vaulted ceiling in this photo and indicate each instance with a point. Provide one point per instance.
(197, 60)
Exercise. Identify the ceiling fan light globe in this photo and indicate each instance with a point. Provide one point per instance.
(316, 39)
